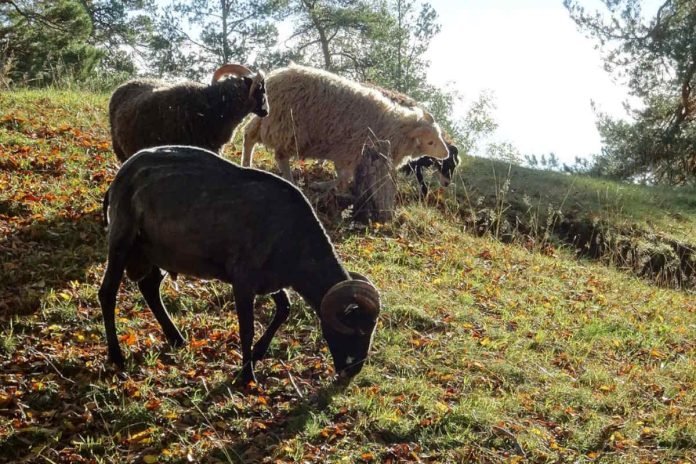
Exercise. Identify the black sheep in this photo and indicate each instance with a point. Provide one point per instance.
(149, 113)
(186, 210)
(445, 168)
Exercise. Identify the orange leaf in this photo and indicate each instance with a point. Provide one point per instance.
(152, 404)
(129, 339)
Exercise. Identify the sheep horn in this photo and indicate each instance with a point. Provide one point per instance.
(343, 296)
(258, 78)
(236, 69)
(356, 276)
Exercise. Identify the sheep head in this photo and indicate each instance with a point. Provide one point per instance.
(447, 166)
(426, 138)
(348, 313)
(255, 82)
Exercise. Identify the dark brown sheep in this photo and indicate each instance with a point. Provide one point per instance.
(149, 113)
(186, 210)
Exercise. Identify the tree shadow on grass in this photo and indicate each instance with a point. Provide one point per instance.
(45, 254)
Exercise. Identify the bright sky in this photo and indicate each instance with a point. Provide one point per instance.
(541, 69)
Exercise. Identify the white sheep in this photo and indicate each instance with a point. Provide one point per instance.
(317, 114)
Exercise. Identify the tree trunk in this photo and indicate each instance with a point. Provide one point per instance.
(225, 45)
(374, 186)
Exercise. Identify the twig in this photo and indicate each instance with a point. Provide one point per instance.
(518, 448)
(292, 380)
(34, 351)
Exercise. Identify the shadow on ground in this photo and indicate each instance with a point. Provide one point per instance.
(45, 254)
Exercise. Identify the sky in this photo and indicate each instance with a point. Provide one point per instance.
(543, 72)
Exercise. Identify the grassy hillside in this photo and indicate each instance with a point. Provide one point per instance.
(486, 352)
(649, 231)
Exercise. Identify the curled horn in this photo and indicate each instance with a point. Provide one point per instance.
(356, 276)
(258, 78)
(344, 296)
(236, 69)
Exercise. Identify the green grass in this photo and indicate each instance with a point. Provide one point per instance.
(485, 351)
(649, 231)
(670, 212)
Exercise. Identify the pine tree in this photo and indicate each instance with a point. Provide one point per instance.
(194, 37)
(43, 42)
(656, 58)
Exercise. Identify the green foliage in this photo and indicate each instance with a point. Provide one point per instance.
(71, 41)
(397, 58)
(120, 28)
(656, 58)
(333, 34)
(43, 42)
(195, 37)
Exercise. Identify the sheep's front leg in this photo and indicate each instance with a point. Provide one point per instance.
(283, 162)
(150, 288)
(421, 181)
(345, 173)
(244, 302)
(248, 151)
(282, 303)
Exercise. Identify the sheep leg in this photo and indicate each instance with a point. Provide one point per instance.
(244, 302)
(421, 181)
(251, 136)
(120, 154)
(248, 150)
(282, 311)
(107, 299)
(283, 162)
(345, 176)
(150, 288)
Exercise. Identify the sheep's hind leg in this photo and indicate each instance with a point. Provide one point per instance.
(282, 311)
(244, 302)
(107, 299)
(150, 288)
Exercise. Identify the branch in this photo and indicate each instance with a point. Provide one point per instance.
(303, 46)
(684, 108)
(299, 32)
(658, 19)
(233, 24)
(194, 42)
(35, 17)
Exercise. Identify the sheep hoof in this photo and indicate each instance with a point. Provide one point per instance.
(246, 377)
(176, 341)
(117, 359)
